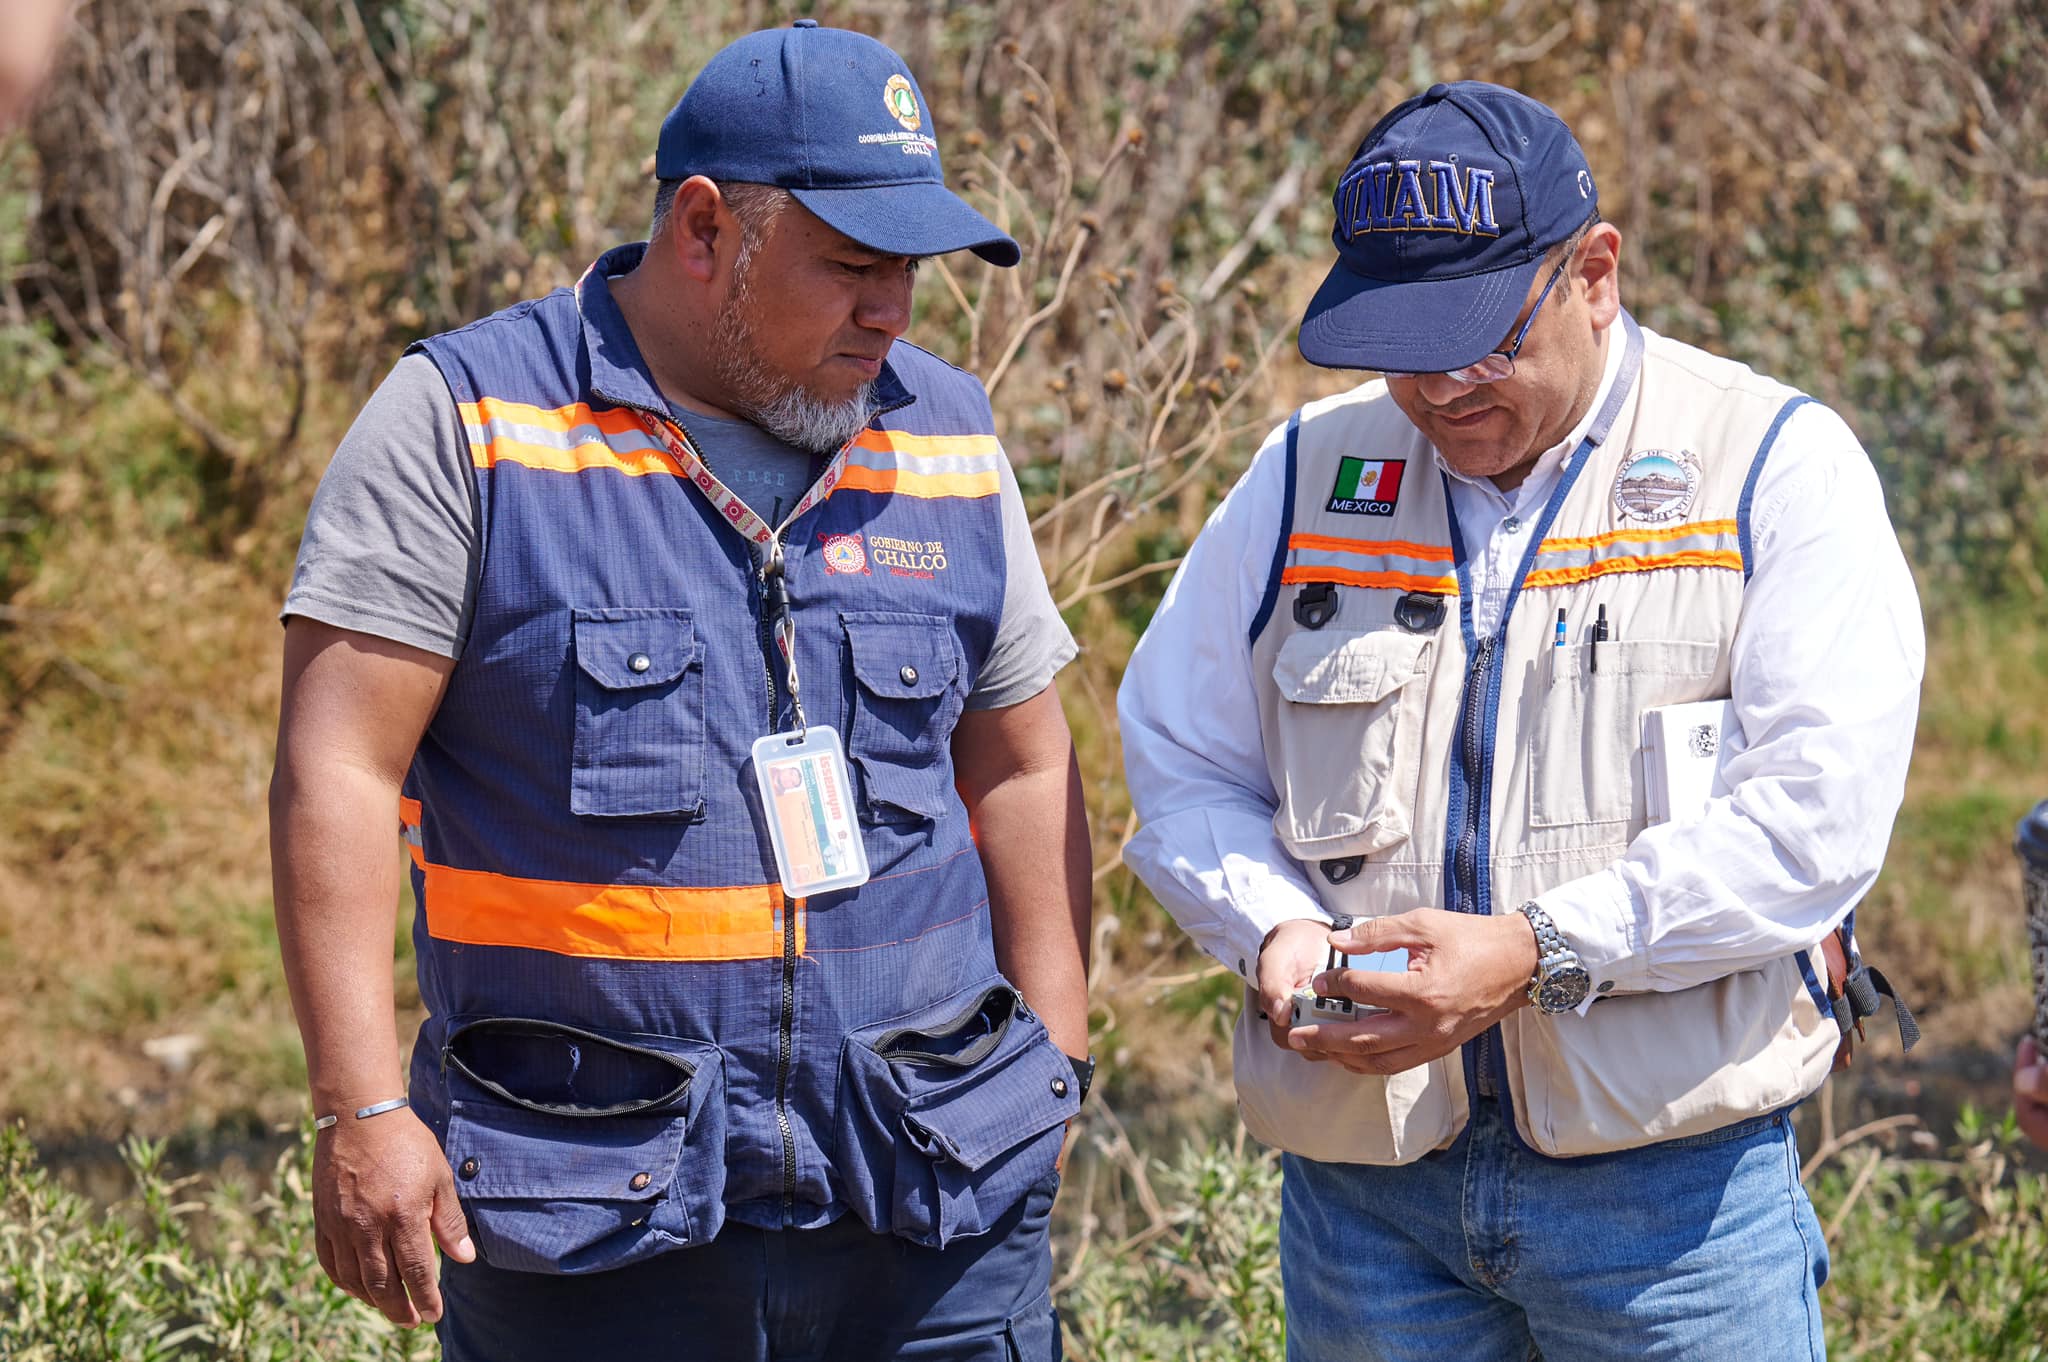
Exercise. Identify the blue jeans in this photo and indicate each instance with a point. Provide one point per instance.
(832, 1294)
(1704, 1247)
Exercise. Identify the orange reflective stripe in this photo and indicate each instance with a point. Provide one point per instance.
(607, 921)
(1730, 560)
(581, 459)
(409, 827)
(905, 482)
(1395, 581)
(926, 446)
(1388, 548)
(610, 420)
(1653, 535)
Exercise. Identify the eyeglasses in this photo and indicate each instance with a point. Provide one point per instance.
(1500, 364)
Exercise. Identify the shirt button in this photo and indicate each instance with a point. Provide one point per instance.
(468, 1169)
(1606, 986)
(1059, 1087)
(1240, 965)
(1511, 524)
(639, 1182)
(909, 674)
(639, 662)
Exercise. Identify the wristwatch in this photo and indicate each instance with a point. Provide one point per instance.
(1561, 981)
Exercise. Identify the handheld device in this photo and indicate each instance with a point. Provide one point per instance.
(1309, 1007)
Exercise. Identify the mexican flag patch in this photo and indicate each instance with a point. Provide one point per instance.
(1367, 486)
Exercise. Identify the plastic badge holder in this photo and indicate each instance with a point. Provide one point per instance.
(808, 800)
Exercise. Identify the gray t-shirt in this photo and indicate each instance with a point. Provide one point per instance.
(391, 541)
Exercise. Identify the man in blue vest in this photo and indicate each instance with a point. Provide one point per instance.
(687, 625)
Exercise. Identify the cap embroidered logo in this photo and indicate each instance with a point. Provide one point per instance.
(902, 102)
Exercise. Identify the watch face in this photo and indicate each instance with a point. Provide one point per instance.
(1564, 990)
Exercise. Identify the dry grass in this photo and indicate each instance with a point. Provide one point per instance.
(1844, 199)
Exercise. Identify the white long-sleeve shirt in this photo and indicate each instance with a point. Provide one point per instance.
(1826, 667)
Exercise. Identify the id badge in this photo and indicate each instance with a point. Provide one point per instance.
(809, 803)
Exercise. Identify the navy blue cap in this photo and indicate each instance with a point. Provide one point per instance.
(837, 119)
(1443, 219)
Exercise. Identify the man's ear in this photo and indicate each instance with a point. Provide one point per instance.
(1599, 271)
(701, 234)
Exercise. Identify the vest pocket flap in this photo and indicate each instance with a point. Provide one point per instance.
(1318, 668)
(972, 1122)
(544, 1112)
(901, 656)
(947, 1116)
(503, 1151)
(629, 649)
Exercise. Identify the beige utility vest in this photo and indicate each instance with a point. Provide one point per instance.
(1419, 766)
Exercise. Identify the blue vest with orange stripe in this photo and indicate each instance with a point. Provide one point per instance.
(631, 1034)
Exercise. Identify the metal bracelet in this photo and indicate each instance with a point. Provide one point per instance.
(362, 1113)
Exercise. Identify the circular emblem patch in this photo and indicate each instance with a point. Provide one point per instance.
(1656, 486)
(902, 102)
(845, 554)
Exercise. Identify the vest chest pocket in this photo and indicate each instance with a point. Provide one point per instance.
(639, 743)
(906, 698)
(1585, 757)
(1349, 739)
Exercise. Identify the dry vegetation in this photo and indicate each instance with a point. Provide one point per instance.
(230, 215)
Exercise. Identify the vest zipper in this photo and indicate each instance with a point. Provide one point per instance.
(1465, 864)
(774, 603)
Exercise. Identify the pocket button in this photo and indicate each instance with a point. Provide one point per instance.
(639, 1182)
(909, 674)
(468, 1169)
(639, 662)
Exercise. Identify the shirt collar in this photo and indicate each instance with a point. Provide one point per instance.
(1552, 459)
(618, 372)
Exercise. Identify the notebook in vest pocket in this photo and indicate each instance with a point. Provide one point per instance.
(578, 1150)
(1585, 755)
(1327, 1113)
(948, 1115)
(1349, 739)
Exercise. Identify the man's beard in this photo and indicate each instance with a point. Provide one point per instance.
(788, 412)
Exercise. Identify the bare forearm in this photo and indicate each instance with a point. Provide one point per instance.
(334, 869)
(1033, 834)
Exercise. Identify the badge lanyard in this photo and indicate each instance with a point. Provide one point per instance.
(805, 788)
(736, 513)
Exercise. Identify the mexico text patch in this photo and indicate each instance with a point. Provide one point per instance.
(1367, 486)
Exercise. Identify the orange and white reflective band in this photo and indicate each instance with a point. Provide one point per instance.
(1389, 564)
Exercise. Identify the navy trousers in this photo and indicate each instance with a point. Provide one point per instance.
(840, 1292)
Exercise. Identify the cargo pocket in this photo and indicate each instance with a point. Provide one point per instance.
(950, 1115)
(639, 745)
(1586, 759)
(906, 699)
(576, 1151)
(1350, 739)
(1325, 1112)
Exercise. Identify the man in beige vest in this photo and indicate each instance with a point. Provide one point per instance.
(1403, 677)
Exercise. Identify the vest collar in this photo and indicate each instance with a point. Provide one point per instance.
(618, 372)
